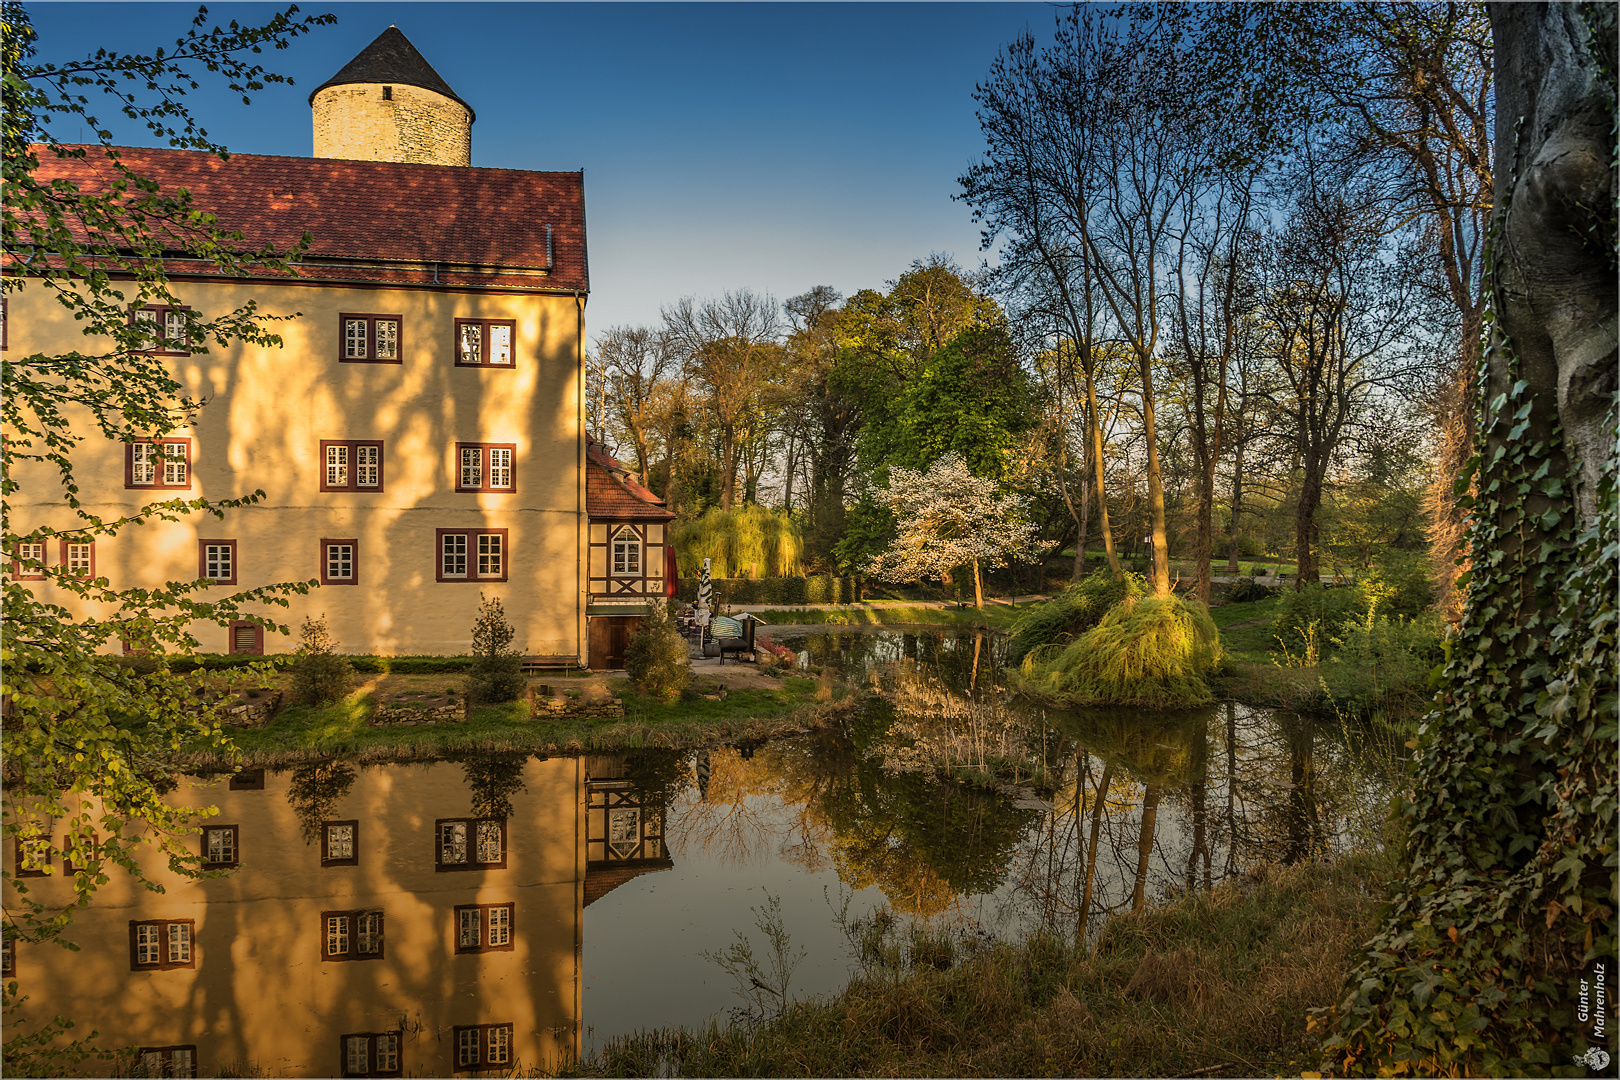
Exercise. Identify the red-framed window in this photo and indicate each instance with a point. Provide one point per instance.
(479, 1046)
(469, 844)
(371, 339)
(472, 555)
(371, 1053)
(340, 562)
(351, 935)
(221, 846)
(80, 852)
(79, 558)
(161, 944)
(340, 843)
(30, 552)
(167, 326)
(486, 467)
(33, 856)
(484, 928)
(216, 561)
(161, 464)
(245, 637)
(351, 465)
(486, 343)
(176, 1061)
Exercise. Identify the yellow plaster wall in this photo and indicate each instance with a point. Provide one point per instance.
(267, 410)
(260, 991)
(353, 121)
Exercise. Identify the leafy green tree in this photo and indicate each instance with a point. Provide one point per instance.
(86, 739)
(319, 675)
(497, 670)
(655, 656)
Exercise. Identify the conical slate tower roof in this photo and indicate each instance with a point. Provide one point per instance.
(392, 59)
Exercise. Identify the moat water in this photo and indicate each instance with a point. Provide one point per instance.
(626, 873)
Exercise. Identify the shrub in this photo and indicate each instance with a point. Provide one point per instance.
(1074, 611)
(655, 656)
(1318, 612)
(496, 673)
(1247, 590)
(1382, 665)
(318, 674)
(1150, 653)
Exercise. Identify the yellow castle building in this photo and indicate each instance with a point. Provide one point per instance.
(419, 435)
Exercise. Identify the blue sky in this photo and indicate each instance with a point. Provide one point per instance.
(766, 146)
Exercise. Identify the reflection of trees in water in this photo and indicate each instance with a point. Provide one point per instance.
(815, 801)
(1145, 805)
(493, 779)
(1216, 792)
(314, 792)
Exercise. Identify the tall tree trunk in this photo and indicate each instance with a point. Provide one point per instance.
(1232, 551)
(1094, 426)
(978, 587)
(1305, 530)
(1091, 850)
(1161, 535)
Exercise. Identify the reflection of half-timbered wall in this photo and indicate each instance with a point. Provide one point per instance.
(649, 581)
(618, 828)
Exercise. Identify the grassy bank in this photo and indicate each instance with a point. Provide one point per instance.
(1218, 983)
(303, 733)
(992, 616)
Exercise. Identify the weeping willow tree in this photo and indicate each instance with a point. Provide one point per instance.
(1148, 652)
(749, 541)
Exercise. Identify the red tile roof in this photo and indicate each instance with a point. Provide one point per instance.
(612, 493)
(376, 220)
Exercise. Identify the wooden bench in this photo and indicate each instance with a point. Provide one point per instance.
(539, 665)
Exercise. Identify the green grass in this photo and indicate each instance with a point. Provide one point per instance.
(1246, 630)
(303, 733)
(1216, 983)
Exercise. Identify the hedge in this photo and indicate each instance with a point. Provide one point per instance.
(367, 665)
(815, 589)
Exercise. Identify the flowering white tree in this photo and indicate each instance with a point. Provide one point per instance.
(948, 518)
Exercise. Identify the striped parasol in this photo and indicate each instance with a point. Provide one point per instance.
(705, 588)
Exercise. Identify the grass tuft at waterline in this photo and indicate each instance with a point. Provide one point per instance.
(1148, 653)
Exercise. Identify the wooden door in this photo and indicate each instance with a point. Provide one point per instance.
(608, 636)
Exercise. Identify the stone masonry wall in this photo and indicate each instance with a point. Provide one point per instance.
(353, 121)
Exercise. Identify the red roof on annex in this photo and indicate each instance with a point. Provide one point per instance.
(374, 210)
(612, 494)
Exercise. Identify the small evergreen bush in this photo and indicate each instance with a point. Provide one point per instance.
(655, 656)
(496, 673)
(1074, 611)
(1155, 654)
(318, 674)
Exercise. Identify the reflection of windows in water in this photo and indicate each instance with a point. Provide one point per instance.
(624, 831)
(168, 1061)
(371, 1054)
(466, 843)
(489, 841)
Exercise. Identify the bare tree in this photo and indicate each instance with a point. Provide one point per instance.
(728, 347)
(631, 365)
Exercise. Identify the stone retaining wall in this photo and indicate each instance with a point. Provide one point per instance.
(404, 715)
(567, 708)
(254, 713)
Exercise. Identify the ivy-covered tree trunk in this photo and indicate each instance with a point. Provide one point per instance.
(1510, 900)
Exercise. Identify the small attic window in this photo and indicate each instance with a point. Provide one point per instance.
(388, 93)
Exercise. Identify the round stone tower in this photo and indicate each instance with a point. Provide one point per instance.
(388, 104)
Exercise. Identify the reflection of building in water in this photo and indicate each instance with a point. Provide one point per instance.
(624, 827)
(401, 934)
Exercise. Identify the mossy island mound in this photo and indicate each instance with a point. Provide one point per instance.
(1147, 653)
